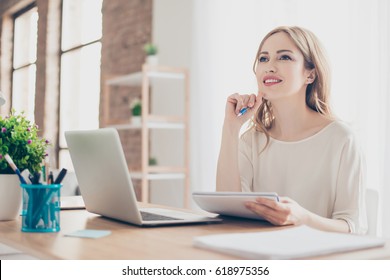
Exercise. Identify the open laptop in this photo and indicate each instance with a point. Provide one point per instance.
(105, 182)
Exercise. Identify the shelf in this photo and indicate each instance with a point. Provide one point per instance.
(160, 173)
(135, 79)
(166, 169)
(168, 119)
(158, 176)
(150, 125)
(147, 79)
(154, 122)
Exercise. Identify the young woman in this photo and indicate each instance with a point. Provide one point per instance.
(294, 147)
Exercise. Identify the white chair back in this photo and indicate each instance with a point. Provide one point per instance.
(372, 199)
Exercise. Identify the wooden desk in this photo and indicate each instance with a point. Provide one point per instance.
(132, 242)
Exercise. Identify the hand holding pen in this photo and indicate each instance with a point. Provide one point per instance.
(239, 105)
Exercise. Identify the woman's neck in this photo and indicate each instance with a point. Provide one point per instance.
(294, 120)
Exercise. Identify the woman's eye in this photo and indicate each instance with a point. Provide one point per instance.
(285, 57)
(263, 59)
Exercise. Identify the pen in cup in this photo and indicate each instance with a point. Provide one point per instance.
(26, 176)
(49, 195)
(15, 168)
(60, 176)
(43, 171)
(50, 179)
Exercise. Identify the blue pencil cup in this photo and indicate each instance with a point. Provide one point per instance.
(41, 208)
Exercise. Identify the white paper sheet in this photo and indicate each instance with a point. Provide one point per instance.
(291, 243)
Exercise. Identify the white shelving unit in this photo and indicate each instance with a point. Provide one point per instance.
(147, 79)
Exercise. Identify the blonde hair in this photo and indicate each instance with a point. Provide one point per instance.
(317, 93)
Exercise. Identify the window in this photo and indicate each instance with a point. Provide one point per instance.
(24, 61)
(80, 69)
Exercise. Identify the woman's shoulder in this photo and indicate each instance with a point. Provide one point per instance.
(342, 134)
(340, 128)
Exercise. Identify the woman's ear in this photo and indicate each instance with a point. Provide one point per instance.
(311, 77)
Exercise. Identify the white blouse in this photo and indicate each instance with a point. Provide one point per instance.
(324, 173)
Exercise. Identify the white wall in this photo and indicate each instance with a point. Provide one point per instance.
(222, 37)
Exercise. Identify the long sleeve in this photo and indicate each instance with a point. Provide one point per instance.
(245, 164)
(349, 204)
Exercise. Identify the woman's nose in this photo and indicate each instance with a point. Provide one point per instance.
(270, 68)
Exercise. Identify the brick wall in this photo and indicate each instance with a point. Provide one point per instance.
(127, 26)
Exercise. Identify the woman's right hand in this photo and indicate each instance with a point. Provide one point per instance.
(228, 174)
(236, 102)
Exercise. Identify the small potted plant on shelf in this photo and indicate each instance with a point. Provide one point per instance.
(18, 139)
(152, 161)
(136, 111)
(151, 54)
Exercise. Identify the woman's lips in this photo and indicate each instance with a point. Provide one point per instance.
(270, 81)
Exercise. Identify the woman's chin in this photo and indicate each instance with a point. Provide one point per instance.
(269, 96)
(273, 95)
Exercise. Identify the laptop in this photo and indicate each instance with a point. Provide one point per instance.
(105, 182)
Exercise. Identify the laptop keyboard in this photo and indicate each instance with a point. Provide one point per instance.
(146, 216)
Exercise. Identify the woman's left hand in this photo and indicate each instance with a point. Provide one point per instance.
(283, 212)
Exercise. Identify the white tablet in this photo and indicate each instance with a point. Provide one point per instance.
(230, 203)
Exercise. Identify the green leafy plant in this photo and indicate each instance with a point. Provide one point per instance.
(150, 49)
(136, 107)
(19, 138)
(152, 161)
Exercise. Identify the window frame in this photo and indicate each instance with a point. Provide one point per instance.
(62, 52)
(23, 66)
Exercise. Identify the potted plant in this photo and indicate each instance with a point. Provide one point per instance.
(136, 110)
(151, 54)
(152, 161)
(19, 139)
